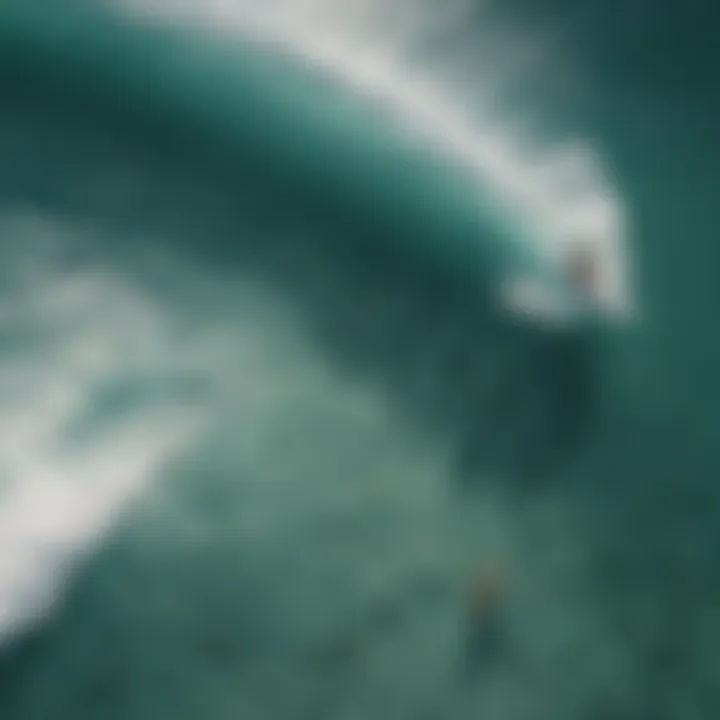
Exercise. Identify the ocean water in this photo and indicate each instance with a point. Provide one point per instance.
(272, 445)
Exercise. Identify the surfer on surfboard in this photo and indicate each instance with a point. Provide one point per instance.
(581, 268)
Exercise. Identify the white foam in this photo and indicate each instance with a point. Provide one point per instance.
(557, 193)
(59, 499)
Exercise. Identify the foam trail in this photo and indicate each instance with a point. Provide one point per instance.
(73, 334)
(557, 195)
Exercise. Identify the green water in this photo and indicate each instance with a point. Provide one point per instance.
(221, 237)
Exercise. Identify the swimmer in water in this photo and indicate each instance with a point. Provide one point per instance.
(486, 627)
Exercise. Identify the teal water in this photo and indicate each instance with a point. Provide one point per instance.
(264, 420)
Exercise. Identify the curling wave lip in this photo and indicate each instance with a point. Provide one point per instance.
(550, 194)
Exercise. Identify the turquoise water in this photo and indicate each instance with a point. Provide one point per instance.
(265, 421)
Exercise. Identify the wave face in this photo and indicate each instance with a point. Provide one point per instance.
(264, 417)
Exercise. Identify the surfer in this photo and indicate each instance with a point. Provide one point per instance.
(581, 268)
